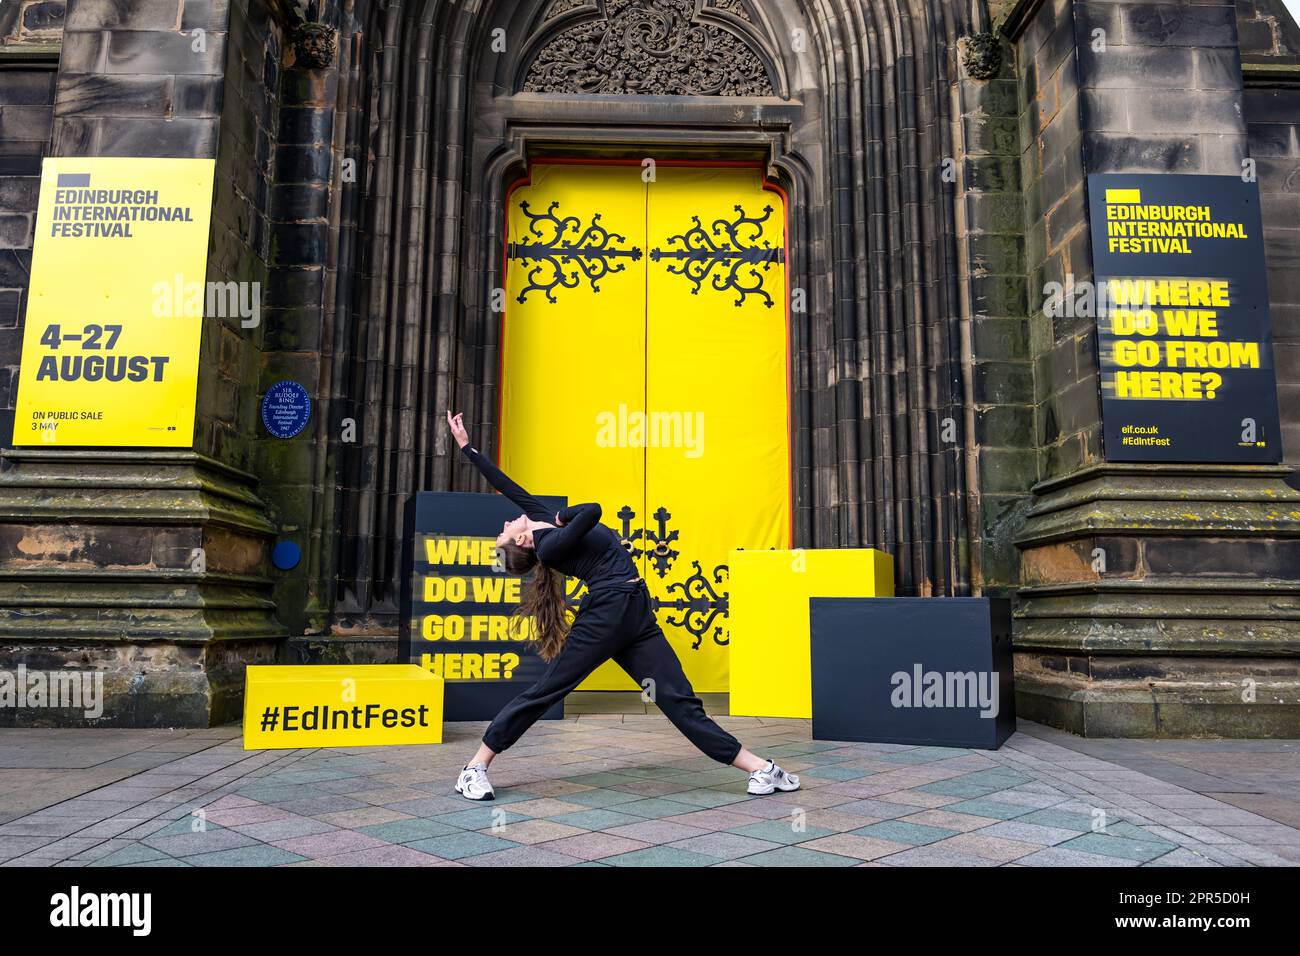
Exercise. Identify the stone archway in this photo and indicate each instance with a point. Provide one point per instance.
(848, 106)
(670, 48)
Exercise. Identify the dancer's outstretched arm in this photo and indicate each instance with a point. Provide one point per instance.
(497, 478)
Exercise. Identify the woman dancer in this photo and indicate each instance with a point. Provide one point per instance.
(614, 620)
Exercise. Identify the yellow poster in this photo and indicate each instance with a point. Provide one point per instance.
(115, 308)
(645, 367)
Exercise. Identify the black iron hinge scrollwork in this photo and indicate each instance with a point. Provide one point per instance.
(561, 254)
(662, 553)
(628, 536)
(694, 605)
(699, 604)
(660, 541)
(557, 263)
(738, 262)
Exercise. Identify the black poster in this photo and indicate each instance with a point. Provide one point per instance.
(1183, 331)
(456, 607)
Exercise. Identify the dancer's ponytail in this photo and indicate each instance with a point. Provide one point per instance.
(543, 601)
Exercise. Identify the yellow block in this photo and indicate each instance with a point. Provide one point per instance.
(1123, 196)
(771, 658)
(341, 705)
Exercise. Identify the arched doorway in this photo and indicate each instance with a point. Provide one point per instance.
(846, 106)
(645, 366)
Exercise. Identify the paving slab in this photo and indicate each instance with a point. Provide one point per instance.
(606, 787)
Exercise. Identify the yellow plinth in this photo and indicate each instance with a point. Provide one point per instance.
(771, 664)
(341, 705)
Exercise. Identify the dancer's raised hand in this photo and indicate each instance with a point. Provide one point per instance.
(457, 424)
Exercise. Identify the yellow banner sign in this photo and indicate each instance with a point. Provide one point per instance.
(115, 308)
(341, 705)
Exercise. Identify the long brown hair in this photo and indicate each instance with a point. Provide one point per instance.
(543, 601)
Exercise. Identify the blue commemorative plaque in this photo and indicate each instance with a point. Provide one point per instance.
(286, 407)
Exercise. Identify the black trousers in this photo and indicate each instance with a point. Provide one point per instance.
(616, 622)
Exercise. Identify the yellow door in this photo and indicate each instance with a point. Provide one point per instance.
(645, 367)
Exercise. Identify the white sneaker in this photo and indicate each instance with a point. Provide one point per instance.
(472, 784)
(772, 778)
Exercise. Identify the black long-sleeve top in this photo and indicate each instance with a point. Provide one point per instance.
(581, 548)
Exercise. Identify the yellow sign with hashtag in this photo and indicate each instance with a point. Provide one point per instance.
(341, 705)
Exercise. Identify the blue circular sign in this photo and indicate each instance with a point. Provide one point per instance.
(286, 555)
(286, 406)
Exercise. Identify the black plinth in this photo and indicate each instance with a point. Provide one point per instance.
(912, 671)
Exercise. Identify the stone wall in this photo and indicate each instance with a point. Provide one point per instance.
(1268, 35)
(298, 341)
(29, 57)
(148, 565)
(31, 24)
(1066, 425)
(1162, 93)
(1150, 592)
(239, 245)
(1270, 50)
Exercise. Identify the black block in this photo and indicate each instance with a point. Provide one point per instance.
(874, 667)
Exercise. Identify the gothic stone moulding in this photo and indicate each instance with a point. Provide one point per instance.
(981, 55)
(314, 45)
(662, 47)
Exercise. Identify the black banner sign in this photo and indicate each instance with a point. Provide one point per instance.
(457, 607)
(1183, 331)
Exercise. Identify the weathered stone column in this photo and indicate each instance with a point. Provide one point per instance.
(150, 565)
(1156, 599)
(995, 334)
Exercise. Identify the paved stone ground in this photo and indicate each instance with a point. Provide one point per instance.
(618, 789)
